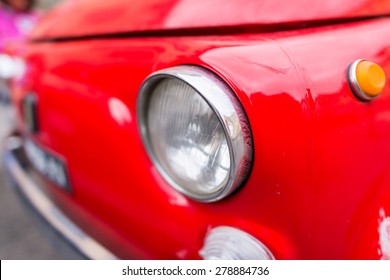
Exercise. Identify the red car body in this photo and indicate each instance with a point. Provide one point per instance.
(319, 187)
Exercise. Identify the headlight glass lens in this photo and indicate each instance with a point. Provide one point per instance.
(187, 138)
(195, 132)
(229, 243)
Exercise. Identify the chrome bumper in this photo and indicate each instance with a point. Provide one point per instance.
(28, 188)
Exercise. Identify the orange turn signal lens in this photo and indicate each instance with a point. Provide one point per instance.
(370, 77)
(366, 79)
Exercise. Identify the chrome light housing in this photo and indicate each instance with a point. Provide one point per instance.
(229, 243)
(195, 131)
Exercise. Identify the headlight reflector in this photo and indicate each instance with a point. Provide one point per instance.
(195, 132)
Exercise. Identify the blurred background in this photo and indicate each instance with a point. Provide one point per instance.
(20, 237)
(46, 4)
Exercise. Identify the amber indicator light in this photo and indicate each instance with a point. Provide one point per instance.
(366, 79)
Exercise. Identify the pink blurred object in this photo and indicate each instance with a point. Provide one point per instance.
(14, 25)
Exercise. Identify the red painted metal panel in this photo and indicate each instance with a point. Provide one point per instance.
(84, 17)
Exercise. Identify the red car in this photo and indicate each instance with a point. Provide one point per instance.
(209, 129)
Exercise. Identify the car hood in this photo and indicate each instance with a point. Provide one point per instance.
(78, 18)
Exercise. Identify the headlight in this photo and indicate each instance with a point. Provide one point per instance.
(195, 131)
(229, 243)
(11, 67)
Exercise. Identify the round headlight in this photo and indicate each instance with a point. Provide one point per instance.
(195, 131)
(229, 243)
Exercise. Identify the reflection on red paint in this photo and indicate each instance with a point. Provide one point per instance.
(384, 235)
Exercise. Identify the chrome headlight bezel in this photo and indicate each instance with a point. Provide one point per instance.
(229, 111)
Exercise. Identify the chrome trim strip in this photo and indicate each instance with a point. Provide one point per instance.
(223, 101)
(54, 216)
